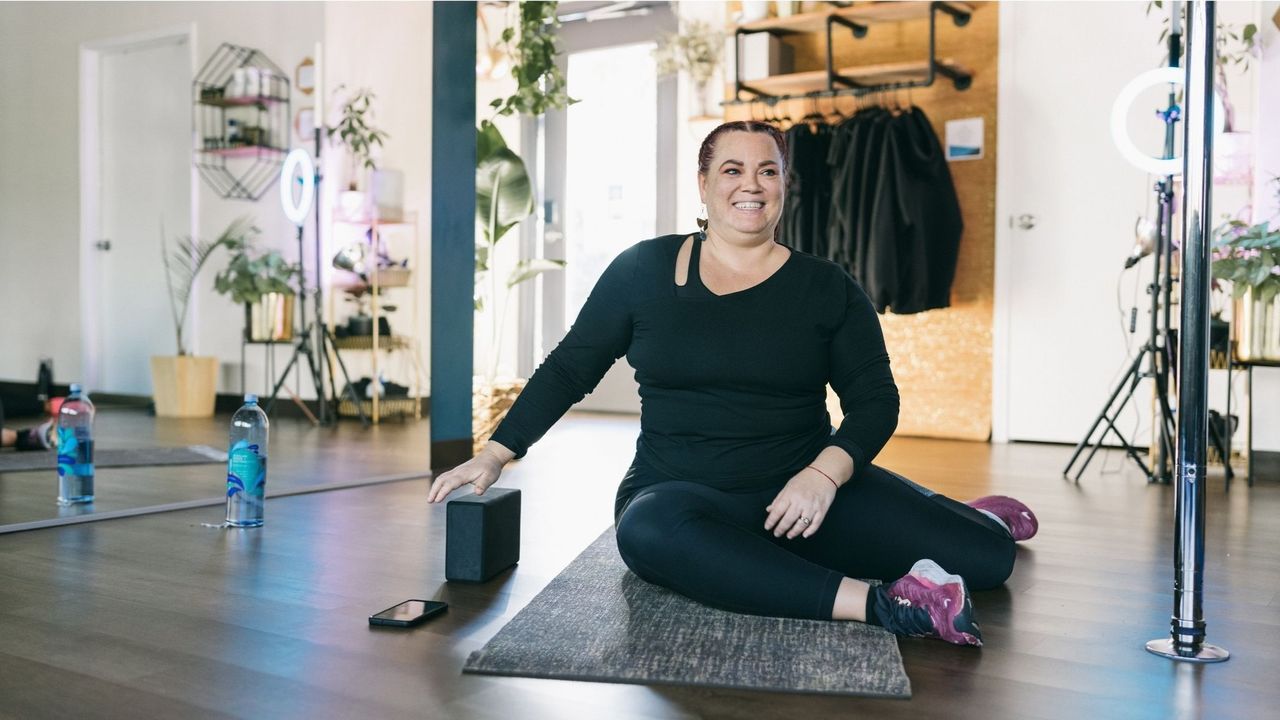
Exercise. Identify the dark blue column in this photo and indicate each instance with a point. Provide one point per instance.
(453, 200)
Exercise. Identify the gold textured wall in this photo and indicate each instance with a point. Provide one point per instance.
(941, 359)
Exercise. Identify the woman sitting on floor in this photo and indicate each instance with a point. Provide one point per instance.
(741, 495)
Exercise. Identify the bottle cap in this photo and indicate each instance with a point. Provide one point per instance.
(75, 389)
(251, 399)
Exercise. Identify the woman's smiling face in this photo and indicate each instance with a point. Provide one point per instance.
(743, 186)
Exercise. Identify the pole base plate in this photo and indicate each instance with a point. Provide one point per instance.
(1208, 653)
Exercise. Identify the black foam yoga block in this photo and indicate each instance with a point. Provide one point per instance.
(482, 535)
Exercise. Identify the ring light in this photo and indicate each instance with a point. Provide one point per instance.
(298, 168)
(1120, 120)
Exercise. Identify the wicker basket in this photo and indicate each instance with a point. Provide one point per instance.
(489, 405)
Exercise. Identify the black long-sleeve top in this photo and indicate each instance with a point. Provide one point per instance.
(732, 387)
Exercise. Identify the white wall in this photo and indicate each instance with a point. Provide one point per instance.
(386, 46)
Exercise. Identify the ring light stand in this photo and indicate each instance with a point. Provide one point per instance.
(301, 174)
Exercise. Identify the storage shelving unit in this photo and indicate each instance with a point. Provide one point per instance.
(852, 80)
(376, 344)
(241, 119)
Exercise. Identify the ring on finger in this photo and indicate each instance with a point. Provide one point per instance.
(805, 520)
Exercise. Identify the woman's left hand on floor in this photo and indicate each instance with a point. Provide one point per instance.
(806, 496)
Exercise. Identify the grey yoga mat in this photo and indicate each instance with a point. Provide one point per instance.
(597, 621)
(116, 457)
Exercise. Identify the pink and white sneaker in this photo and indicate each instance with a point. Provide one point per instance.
(1016, 517)
(928, 602)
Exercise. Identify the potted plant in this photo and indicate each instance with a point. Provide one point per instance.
(1233, 46)
(695, 50)
(355, 131)
(1249, 257)
(263, 283)
(185, 385)
(504, 198)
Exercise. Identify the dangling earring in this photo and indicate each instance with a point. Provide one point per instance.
(702, 223)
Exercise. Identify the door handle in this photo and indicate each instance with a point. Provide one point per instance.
(103, 245)
(1025, 221)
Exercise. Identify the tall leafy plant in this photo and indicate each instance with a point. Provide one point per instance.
(356, 131)
(182, 263)
(1249, 256)
(250, 274)
(504, 197)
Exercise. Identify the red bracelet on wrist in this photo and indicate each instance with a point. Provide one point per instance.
(833, 480)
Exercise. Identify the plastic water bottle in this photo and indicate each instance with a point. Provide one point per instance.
(247, 465)
(75, 448)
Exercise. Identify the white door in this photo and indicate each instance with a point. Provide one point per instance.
(1066, 215)
(144, 110)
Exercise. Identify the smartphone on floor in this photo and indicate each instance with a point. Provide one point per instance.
(409, 613)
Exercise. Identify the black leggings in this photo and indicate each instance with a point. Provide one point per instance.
(711, 545)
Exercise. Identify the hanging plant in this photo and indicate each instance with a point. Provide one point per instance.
(696, 50)
(540, 86)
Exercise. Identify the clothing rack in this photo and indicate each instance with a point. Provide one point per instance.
(857, 80)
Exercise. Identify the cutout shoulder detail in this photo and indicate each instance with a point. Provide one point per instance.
(682, 262)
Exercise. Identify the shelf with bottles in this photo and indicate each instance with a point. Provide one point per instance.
(243, 151)
(210, 98)
(242, 121)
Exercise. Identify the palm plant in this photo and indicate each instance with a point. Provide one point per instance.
(182, 263)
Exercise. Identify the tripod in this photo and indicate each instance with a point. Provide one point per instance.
(327, 345)
(1153, 359)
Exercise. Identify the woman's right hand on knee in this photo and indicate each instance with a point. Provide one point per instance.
(480, 471)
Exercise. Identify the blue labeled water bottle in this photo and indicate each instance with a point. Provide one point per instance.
(75, 448)
(247, 465)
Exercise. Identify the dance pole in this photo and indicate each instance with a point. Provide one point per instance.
(1186, 641)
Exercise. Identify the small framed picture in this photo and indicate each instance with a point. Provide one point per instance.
(964, 139)
(304, 77)
(304, 123)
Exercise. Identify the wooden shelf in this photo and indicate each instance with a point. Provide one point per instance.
(244, 151)
(816, 80)
(242, 101)
(869, 14)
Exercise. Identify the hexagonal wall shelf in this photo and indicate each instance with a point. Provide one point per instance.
(241, 102)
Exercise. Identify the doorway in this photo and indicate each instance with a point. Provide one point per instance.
(609, 175)
(136, 178)
(1066, 211)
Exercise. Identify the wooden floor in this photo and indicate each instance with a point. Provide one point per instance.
(158, 616)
